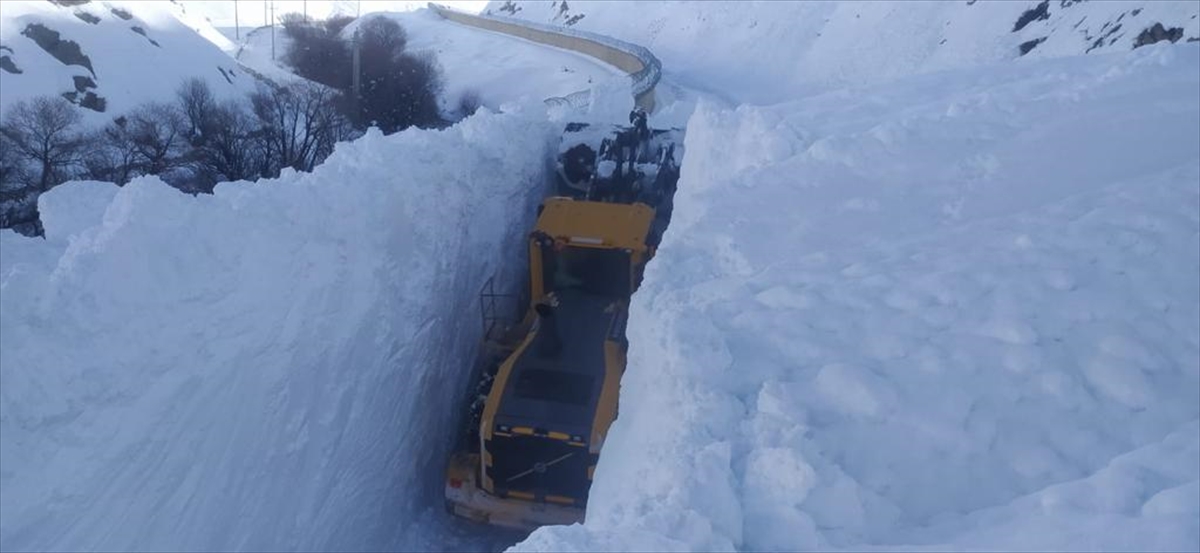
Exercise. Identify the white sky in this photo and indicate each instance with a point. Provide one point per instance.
(251, 12)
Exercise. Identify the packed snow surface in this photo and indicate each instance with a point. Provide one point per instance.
(277, 366)
(959, 311)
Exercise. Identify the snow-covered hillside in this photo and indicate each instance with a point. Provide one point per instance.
(766, 52)
(109, 57)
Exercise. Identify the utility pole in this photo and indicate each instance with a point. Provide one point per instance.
(272, 30)
(356, 80)
(306, 10)
(237, 26)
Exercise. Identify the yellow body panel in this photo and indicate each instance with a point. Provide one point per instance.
(622, 226)
(467, 500)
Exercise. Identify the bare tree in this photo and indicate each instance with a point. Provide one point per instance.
(196, 103)
(299, 125)
(157, 132)
(399, 88)
(12, 167)
(316, 52)
(44, 130)
(228, 151)
(113, 155)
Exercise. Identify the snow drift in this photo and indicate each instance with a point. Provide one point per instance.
(958, 311)
(276, 366)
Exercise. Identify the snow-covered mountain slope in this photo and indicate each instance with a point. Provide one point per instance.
(959, 311)
(497, 67)
(277, 366)
(109, 57)
(765, 52)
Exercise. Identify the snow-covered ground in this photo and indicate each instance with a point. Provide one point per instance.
(952, 305)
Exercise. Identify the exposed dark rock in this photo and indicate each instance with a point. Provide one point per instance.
(1135, 12)
(123, 14)
(1029, 45)
(1069, 3)
(1100, 41)
(1194, 39)
(1157, 33)
(7, 64)
(87, 17)
(142, 32)
(88, 100)
(510, 7)
(83, 83)
(224, 74)
(1041, 12)
(69, 3)
(65, 51)
(1076, 26)
(93, 102)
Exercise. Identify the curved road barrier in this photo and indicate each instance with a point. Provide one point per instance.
(643, 68)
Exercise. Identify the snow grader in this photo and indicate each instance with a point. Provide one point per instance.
(546, 391)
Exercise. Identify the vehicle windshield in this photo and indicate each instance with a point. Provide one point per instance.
(600, 272)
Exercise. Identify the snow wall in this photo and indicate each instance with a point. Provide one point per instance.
(960, 311)
(278, 366)
(643, 67)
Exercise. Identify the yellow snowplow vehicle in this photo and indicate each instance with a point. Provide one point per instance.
(550, 394)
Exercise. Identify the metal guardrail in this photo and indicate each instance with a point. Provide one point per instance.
(644, 78)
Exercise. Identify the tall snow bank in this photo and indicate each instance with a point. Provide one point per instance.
(277, 366)
(958, 312)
